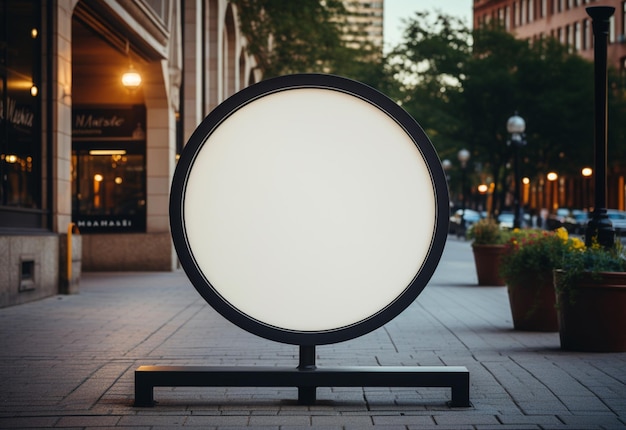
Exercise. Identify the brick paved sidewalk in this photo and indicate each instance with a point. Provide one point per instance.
(69, 361)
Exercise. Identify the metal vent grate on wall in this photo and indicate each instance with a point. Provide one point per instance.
(27, 274)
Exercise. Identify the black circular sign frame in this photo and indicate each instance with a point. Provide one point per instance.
(202, 281)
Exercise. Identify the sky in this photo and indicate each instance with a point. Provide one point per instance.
(396, 10)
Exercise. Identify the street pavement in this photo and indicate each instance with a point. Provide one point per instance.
(68, 362)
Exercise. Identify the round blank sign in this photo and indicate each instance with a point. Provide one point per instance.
(309, 209)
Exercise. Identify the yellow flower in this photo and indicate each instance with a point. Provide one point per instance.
(561, 233)
(577, 243)
(594, 243)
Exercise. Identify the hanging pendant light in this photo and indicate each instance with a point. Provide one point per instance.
(131, 79)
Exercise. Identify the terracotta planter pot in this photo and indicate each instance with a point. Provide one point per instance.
(593, 317)
(487, 259)
(533, 304)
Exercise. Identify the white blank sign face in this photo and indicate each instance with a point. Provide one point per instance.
(309, 210)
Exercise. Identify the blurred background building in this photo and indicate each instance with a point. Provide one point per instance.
(364, 23)
(564, 20)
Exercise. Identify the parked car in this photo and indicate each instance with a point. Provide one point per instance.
(506, 220)
(577, 222)
(470, 217)
(618, 219)
(558, 219)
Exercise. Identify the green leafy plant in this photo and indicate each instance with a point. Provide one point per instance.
(536, 252)
(487, 232)
(588, 262)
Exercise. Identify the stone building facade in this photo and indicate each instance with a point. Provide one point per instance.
(85, 161)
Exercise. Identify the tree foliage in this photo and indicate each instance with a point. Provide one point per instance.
(460, 85)
(429, 66)
(303, 36)
(496, 76)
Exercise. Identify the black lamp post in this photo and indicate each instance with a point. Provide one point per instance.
(464, 156)
(516, 127)
(447, 165)
(600, 226)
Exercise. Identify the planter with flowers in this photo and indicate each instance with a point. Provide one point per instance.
(591, 297)
(488, 241)
(527, 268)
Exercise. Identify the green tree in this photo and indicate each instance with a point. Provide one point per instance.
(465, 85)
(550, 87)
(429, 66)
(490, 95)
(303, 36)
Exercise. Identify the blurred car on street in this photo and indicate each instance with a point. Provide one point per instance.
(558, 219)
(618, 219)
(470, 217)
(576, 223)
(506, 220)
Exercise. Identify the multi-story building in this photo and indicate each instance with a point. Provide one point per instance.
(364, 23)
(81, 151)
(565, 20)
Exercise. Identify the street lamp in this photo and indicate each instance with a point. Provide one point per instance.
(586, 172)
(447, 165)
(464, 156)
(482, 190)
(599, 226)
(554, 190)
(516, 127)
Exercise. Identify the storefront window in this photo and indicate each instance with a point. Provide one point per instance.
(108, 170)
(20, 114)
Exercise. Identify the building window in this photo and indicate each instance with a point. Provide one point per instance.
(577, 41)
(585, 34)
(20, 115)
(559, 6)
(109, 169)
(507, 18)
(612, 29)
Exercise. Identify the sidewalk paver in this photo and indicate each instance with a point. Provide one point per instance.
(69, 362)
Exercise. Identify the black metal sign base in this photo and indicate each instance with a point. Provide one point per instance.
(307, 377)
